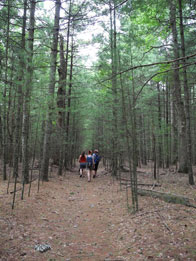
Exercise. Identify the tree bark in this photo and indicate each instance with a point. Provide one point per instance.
(160, 159)
(178, 103)
(48, 125)
(134, 142)
(166, 197)
(113, 51)
(131, 153)
(187, 100)
(61, 96)
(167, 126)
(69, 106)
(18, 121)
(27, 96)
(5, 95)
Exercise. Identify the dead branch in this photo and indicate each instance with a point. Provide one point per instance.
(163, 221)
(142, 184)
(11, 192)
(169, 198)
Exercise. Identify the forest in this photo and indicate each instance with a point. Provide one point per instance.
(112, 75)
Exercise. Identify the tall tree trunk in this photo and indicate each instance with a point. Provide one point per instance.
(177, 94)
(141, 141)
(48, 126)
(11, 113)
(18, 122)
(5, 95)
(27, 96)
(154, 154)
(135, 145)
(127, 134)
(194, 124)
(62, 84)
(1, 132)
(174, 132)
(113, 50)
(64, 148)
(187, 100)
(69, 102)
(167, 127)
(70, 88)
(159, 160)
(61, 96)
(131, 153)
(144, 161)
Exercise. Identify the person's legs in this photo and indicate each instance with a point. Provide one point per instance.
(80, 171)
(82, 167)
(84, 171)
(95, 170)
(89, 174)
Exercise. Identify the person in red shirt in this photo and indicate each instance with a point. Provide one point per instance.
(82, 161)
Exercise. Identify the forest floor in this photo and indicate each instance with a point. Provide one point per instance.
(90, 221)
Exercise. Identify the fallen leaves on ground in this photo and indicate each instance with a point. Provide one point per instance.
(89, 221)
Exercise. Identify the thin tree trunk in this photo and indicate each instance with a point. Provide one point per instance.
(154, 155)
(27, 96)
(159, 160)
(187, 100)
(174, 132)
(134, 141)
(69, 100)
(10, 115)
(1, 132)
(167, 126)
(132, 153)
(125, 124)
(48, 126)
(114, 88)
(4, 97)
(144, 161)
(177, 95)
(63, 150)
(194, 124)
(34, 154)
(19, 95)
(141, 141)
(61, 96)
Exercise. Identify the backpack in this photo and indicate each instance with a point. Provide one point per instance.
(96, 158)
(89, 160)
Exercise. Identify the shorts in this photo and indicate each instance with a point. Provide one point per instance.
(82, 165)
(96, 166)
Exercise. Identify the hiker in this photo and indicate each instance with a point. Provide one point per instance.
(97, 159)
(82, 160)
(90, 164)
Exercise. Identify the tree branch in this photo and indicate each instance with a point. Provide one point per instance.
(152, 64)
(158, 74)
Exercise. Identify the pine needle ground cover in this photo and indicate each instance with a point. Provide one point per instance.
(90, 221)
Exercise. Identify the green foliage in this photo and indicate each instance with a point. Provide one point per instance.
(163, 68)
(143, 37)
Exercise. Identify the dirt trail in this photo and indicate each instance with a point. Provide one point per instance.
(72, 215)
(90, 222)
